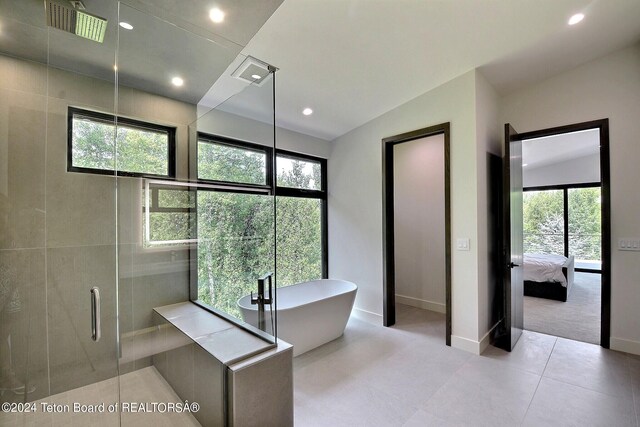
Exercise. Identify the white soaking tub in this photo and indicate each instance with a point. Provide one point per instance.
(309, 313)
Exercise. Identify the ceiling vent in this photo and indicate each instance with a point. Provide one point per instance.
(76, 21)
(253, 71)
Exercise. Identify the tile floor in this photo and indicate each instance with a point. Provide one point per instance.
(143, 385)
(406, 376)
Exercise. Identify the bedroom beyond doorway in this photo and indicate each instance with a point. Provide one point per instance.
(563, 234)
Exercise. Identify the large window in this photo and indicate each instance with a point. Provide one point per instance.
(235, 219)
(565, 220)
(100, 143)
(543, 221)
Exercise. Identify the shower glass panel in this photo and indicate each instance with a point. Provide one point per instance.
(233, 163)
(183, 232)
(58, 295)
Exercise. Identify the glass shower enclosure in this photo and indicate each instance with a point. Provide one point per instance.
(136, 172)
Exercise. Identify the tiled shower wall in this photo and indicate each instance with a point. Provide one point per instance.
(58, 232)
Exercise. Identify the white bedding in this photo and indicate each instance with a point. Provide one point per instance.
(544, 268)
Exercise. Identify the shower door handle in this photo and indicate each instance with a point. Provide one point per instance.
(95, 314)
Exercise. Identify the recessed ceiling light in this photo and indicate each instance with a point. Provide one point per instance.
(216, 15)
(177, 81)
(576, 18)
(126, 25)
(307, 111)
(255, 76)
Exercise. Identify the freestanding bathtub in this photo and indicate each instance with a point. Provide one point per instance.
(309, 313)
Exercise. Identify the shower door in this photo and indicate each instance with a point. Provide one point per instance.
(58, 295)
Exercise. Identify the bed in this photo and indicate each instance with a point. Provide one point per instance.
(548, 276)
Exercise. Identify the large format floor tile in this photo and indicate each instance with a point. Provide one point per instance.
(406, 376)
(557, 403)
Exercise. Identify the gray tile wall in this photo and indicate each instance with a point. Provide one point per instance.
(58, 232)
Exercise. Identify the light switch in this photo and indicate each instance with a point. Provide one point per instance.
(629, 244)
(463, 244)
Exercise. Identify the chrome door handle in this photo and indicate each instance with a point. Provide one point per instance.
(95, 314)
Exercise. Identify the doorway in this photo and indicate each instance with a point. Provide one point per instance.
(563, 204)
(417, 223)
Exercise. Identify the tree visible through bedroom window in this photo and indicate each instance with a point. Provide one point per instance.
(545, 231)
(543, 222)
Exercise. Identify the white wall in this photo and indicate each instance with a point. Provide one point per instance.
(489, 141)
(574, 171)
(355, 200)
(608, 87)
(420, 222)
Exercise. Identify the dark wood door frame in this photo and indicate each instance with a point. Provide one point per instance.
(388, 244)
(605, 182)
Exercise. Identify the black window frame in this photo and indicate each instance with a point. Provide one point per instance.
(565, 205)
(310, 194)
(271, 188)
(231, 186)
(117, 120)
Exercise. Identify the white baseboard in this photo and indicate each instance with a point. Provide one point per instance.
(472, 346)
(626, 346)
(465, 344)
(367, 316)
(421, 303)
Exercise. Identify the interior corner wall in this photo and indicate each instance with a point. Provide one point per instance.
(489, 143)
(608, 87)
(355, 200)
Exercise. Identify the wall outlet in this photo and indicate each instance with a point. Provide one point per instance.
(629, 244)
(463, 244)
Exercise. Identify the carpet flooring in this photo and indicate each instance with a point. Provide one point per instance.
(577, 319)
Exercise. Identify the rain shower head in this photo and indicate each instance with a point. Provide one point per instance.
(75, 21)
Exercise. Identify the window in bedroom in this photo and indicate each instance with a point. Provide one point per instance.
(543, 221)
(565, 219)
(101, 143)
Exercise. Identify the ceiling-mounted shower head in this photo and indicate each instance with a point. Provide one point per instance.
(75, 21)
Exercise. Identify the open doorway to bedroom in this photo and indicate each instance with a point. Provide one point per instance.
(563, 224)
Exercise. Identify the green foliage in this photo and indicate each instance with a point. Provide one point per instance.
(137, 150)
(544, 222)
(585, 223)
(237, 233)
(220, 162)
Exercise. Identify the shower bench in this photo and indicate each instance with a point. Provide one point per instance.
(236, 377)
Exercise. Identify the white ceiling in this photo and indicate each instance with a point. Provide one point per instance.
(353, 60)
(549, 150)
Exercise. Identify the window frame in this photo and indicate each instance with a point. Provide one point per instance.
(310, 194)
(231, 186)
(565, 204)
(271, 188)
(117, 120)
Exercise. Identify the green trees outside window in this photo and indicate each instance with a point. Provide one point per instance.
(545, 230)
(237, 235)
(100, 143)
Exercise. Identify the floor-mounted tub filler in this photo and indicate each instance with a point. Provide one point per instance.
(310, 313)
